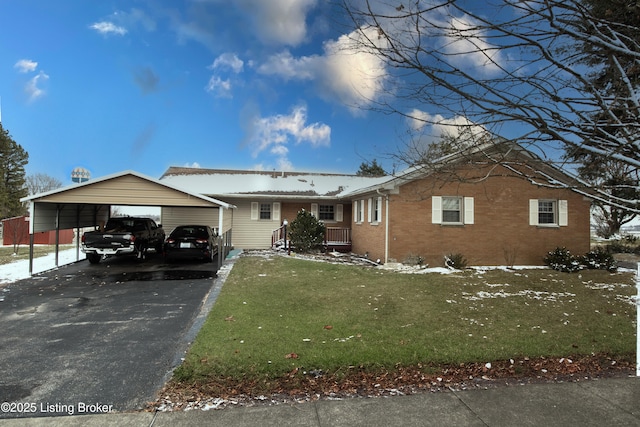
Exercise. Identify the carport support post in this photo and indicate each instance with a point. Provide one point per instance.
(638, 322)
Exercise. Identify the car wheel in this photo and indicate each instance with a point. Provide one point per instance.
(141, 253)
(93, 258)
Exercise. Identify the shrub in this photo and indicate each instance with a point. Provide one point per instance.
(456, 261)
(562, 260)
(413, 259)
(306, 232)
(600, 259)
(619, 247)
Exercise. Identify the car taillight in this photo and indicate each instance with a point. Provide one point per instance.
(201, 241)
(83, 238)
(130, 237)
(171, 240)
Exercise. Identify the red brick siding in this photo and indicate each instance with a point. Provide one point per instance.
(369, 238)
(500, 235)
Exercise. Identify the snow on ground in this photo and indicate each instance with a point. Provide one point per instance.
(19, 270)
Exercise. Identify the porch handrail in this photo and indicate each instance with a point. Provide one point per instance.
(277, 235)
(337, 235)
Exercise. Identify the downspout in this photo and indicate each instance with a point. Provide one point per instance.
(386, 224)
(32, 208)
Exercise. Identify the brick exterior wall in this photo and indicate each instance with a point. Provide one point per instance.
(500, 234)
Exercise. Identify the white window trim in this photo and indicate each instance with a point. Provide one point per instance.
(358, 209)
(255, 211)
(467, 209)
(561, 216)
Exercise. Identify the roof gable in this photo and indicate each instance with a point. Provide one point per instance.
(126, 188)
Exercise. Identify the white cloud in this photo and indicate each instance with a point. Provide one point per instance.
(194, 165)
(344, 73)
(468, 46)
(228, 61)
(219, 87)
(33, 89)
(275, 133)
(279, 21)
(26, 65)
(107, 28)
(433, 127)
(286, 66)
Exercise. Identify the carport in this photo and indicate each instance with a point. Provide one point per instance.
(88, 204)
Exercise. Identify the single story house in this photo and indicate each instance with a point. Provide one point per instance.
(493, 213)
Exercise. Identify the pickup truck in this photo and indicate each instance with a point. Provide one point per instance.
(123, 236)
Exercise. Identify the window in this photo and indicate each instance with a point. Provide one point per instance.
(358, 211)
(326, 213)
(548, 212)
(450, 210)
(265, 210)
(375, 210)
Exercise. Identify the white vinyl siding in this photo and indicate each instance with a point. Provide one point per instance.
(173, 216)
(452, 210)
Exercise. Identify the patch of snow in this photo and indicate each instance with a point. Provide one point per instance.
(19, 269)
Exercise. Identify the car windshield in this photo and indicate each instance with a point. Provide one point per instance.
(194, 232)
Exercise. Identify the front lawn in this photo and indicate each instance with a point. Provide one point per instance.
(279, 315)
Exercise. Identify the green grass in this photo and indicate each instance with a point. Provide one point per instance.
(7, 254)
(334, 317)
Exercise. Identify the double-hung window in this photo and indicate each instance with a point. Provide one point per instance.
(452, 210)
(548, 212)
(375, 210)
(265, 210)
(326, 212)
(261, 211)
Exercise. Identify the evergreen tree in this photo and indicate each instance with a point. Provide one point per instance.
(370, 169)
(13, 159)
(306, 232)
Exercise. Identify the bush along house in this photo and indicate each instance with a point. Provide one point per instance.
(507, 212)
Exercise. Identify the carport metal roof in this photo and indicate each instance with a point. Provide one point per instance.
(87, 204)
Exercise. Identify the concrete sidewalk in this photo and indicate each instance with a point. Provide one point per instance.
(614, 402)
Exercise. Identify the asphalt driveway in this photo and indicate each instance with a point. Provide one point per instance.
(88, 338)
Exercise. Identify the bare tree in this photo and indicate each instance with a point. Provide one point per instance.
(512, 68)
(40, 183)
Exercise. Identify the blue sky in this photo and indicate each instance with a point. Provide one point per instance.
(144, 85)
